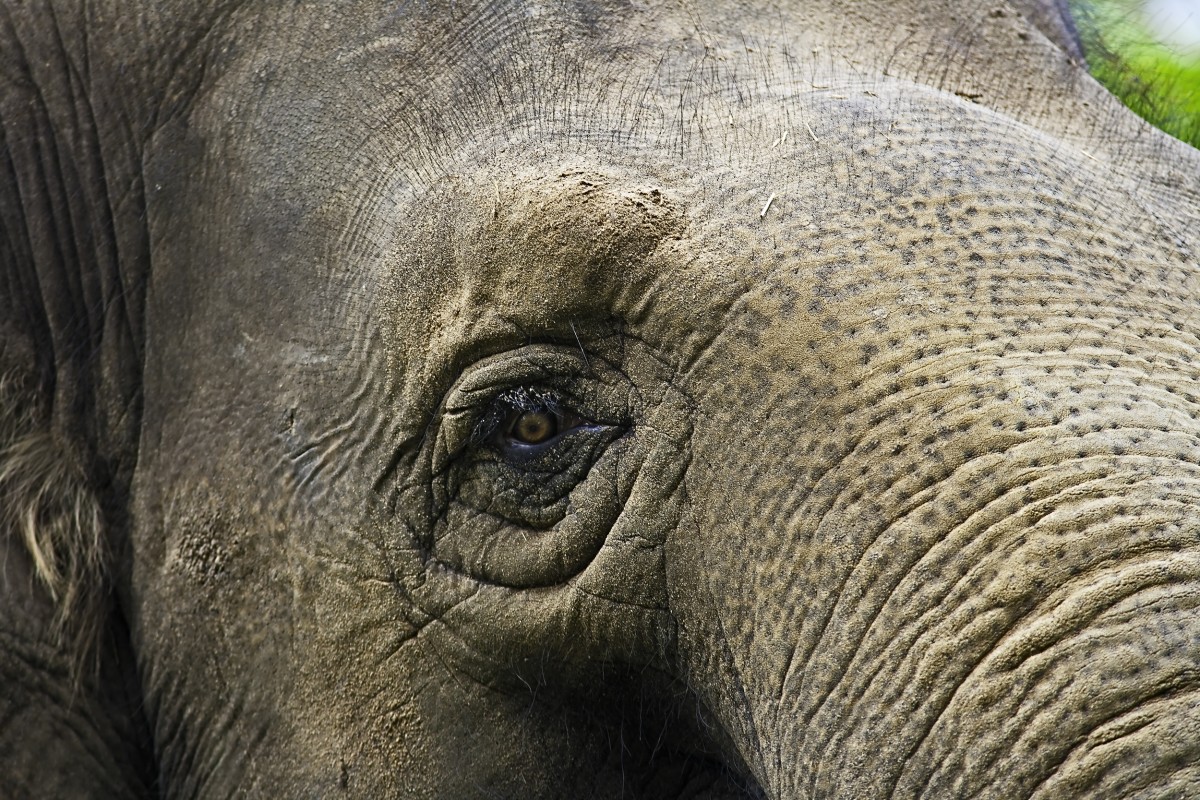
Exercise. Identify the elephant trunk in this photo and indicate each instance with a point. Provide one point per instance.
(979, 584)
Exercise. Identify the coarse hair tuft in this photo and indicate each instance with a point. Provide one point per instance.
(47, 505)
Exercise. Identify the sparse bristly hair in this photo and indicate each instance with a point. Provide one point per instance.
(46, 504)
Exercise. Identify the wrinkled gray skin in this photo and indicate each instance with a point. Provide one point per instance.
(873, 334)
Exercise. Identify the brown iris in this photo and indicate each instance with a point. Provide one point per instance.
(534, 427)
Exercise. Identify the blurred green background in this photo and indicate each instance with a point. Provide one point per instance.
(1147, 52)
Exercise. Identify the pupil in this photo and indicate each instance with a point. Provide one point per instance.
(534, 427)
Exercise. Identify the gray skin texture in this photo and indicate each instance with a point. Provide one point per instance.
(871, 329)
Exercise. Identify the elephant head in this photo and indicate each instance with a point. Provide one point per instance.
(591, 399)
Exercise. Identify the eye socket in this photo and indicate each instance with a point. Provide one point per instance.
(517, 442)
(527, 454)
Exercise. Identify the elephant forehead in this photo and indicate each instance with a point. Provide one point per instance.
(864, 212)
(830, 202)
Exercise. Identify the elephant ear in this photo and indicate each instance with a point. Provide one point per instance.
(1053, 18)
(63, 733)
(70, 718)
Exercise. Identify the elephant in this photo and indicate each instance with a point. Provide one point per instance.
(591, 399)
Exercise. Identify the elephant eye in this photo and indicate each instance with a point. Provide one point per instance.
(533, 427)
(531, 421)
(520, 441)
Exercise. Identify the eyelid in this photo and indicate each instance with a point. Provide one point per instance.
(487, 423)
(550, 369)
(511, 372)
(478, 388)
(507, 406)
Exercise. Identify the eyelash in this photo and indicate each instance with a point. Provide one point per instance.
(514, 400)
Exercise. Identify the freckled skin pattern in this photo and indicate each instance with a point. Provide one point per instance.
(882, 320)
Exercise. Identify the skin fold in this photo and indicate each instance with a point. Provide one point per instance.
(591, 400)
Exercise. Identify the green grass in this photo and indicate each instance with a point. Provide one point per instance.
(1159, 83)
